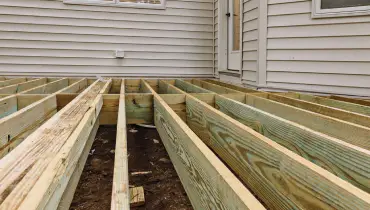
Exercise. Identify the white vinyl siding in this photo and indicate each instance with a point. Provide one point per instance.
(250, 42)
(329, 55)
(216, 4)
(51, 38)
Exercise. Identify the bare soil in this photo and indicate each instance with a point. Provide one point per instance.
(163, 189)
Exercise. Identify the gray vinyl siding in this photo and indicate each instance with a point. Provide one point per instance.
(216, 34)
(250, 42)
(51, 38)
(330, 55)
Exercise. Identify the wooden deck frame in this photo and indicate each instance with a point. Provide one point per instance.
(207, 122)
(200, 123)
(346, 131)
(325, 151)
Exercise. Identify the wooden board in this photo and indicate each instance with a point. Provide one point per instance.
(48, 88)
(351, 100)
(280, 178)
(17, 88)
(137, 197)
(207, 181)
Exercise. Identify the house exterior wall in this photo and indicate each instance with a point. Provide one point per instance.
(330, 55)
(250, 42)
(51, 38)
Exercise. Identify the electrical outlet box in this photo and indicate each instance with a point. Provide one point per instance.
(119, 54)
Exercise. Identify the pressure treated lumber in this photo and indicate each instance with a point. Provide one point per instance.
(207, 181)
(189, 89)
(350, 100)
(75, 87)
(67, 197)
(231, 86)
(48, 88)
(257, 160)
(137, 197)
(355, 108)
(120, 190)
(8, 106)
(20, 172)
(17, 88)
(349, 132)
(351, 163)
(13, 81)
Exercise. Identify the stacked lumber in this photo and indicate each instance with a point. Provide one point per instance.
(36, 173)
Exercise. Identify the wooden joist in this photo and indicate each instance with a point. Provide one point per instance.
(207, 181)
(346, 131)
(351, 100)
(258, 161)
(232, 147)
(25, 167)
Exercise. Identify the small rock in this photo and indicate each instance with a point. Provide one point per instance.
(96, 163)
(92, 152)
(164, 160)
(104, 173)
(155, 141)
(105, 141)
(132, 130)
(112, 151)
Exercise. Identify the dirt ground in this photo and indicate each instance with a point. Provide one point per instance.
(163, 189)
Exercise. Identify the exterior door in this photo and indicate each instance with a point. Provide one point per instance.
(234, 35)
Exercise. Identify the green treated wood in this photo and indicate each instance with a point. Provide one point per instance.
(325, 110)
(165, 88)
(17, 88)
(8, 106)
(48, 88)
(208, 182)
(231, 86)
(356, 108)
(346, 161)
(214, 88)
(348, 132)
(189, 88)
(279, 177)
(351, 100)
(139, 108)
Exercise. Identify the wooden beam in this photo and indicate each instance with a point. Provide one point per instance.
(349, 132)
(17, 88)
(8, 106)
(48, 88)
(177, 103)
(356, 108)
(207, 181)
(214, 88)
(75, 87)
(64, 98)
(13, 81)
(239, 146)
(120, 190)
(258, 161)
(68, 194)
(139, 108)
(231, 86)
(351, 100)
(351, 163)
(137, 197)
(50, 143)
(189, 88)
(2, 78)
(359, 119)
(109, 111)
(16, 127)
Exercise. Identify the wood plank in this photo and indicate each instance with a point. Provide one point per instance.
(214, 88)
(351, 163)
(17, 88)
(13, 81)
(8, 106)
(189, 88)
(207, 181)
(231, 86)
(139, 108)
(321, 109)
(26, 100)
(279, 177)
(132, 86)
(351, 100)
(48, 88)
(208, 98)
(68, 194)
(109, 111)
(164, 88)
(75, 87)
(50, 186)
(120, 190)
(64, 98)
(356, 108)
(137, 197)
(38, 156)
(177, 102)
(16, 127)
(349, 132)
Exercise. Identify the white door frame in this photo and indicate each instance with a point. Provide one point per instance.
(223, 34)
